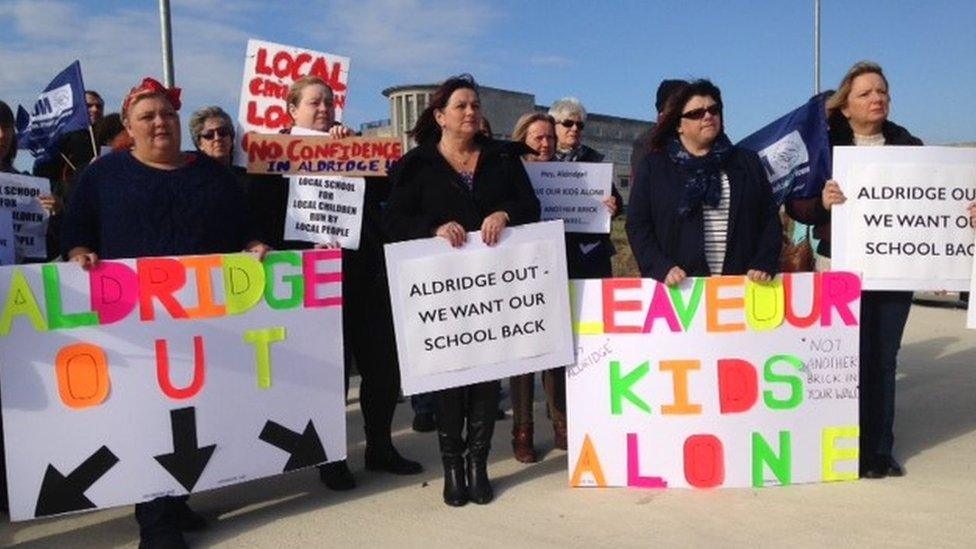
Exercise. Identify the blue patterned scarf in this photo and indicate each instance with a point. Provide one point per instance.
(703, 174)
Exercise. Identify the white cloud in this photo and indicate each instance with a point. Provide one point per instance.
(417, 39)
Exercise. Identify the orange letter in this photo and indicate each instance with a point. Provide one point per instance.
(588, 462)
(82, 372)
(206, 308)
(715, 304)
(679, 372)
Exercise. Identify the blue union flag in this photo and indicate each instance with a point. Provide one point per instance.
(59, 109)
(795, 150)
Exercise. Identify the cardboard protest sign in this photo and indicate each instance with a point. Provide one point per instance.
(320, 155)
(269, 71)
(18, 194)
(164, 376)
(8, 254)
(905, 224)
(325, 210)
(573, 192)
(717, 382)
(479, 313)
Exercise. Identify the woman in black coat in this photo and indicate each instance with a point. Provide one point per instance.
(457, 181)
(857, 114)
(701, 206)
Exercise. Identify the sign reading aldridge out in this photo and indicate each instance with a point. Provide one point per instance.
(286, 154)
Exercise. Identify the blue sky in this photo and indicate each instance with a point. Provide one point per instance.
(758, 51)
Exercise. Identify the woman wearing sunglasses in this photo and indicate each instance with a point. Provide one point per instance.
(701, 206)
(212, 131)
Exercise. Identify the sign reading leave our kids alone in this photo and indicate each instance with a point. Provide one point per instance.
(269, 71)
(165, 376)
(716, 382)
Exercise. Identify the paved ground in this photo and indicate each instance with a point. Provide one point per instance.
(935, 505)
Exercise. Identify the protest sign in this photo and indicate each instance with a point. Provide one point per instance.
(164, 376)
(716, 382)
(18, 194)
(269, 71)
(8, 254)
(904, 224)
(320, 154)
(573, 192)
(480, 313)
(325, 210)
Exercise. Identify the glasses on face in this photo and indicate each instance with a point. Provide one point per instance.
(699, 113)
(570, 123)
(216, 133)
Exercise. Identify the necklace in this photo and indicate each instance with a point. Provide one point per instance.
(459, 161)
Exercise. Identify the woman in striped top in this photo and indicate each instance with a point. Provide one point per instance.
(701, 206)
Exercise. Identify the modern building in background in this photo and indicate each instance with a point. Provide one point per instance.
(611, 135)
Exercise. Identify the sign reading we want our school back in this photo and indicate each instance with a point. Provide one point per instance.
(717, 382)
(165, 376)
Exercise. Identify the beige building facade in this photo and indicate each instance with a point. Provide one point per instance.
(613, 136)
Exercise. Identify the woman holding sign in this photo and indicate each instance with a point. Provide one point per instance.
(857, 114)
(156, 201)
(457, 181)
(587, 255)
(367, 326)
(701, 206)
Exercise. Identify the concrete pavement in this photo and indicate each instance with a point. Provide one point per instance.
(935, 505)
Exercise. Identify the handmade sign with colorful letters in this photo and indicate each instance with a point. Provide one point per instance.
(717, 382)
(164, 376)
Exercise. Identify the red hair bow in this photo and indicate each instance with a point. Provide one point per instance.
(151, 86)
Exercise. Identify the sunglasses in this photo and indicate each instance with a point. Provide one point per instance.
(699, 113)
(570, 123)
(219, 132)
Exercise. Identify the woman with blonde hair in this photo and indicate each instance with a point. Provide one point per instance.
(857, 114)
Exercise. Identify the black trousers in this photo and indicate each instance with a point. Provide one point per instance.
(370, 344)
(883, 318)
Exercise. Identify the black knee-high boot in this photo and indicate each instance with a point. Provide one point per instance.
(482, 410)
(450, 421)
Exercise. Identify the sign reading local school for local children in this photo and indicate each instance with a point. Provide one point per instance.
(269, 71)
(904, 224)
(480, 313)
(163, 376)
(716, 382)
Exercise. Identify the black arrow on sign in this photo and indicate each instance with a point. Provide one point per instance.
(63, 494)
(305, 449)
(187, 461)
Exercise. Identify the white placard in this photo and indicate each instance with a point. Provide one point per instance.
(573, 192)
(325, 210)
(904, 224)
(18, 194)
(8, 255)
(269, 71)
(480, 313)
(719, 383)
(118, 402)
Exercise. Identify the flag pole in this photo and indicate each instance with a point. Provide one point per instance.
(816, 47)
(167, 40)
(91, 134)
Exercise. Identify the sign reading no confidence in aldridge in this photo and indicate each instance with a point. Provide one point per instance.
(165, 376)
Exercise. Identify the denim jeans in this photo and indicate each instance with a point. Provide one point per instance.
(883, 318)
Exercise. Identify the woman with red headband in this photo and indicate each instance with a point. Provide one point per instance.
(156, 200)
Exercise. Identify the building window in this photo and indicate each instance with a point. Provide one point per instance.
(400, 122)
(411, 115)
(624, 182)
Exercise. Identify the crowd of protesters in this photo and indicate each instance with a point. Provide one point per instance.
(699, 206)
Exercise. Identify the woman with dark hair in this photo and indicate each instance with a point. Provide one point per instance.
(455, 181)
(857, 114)
(701, 206)
(368, 340)
(8, 138)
